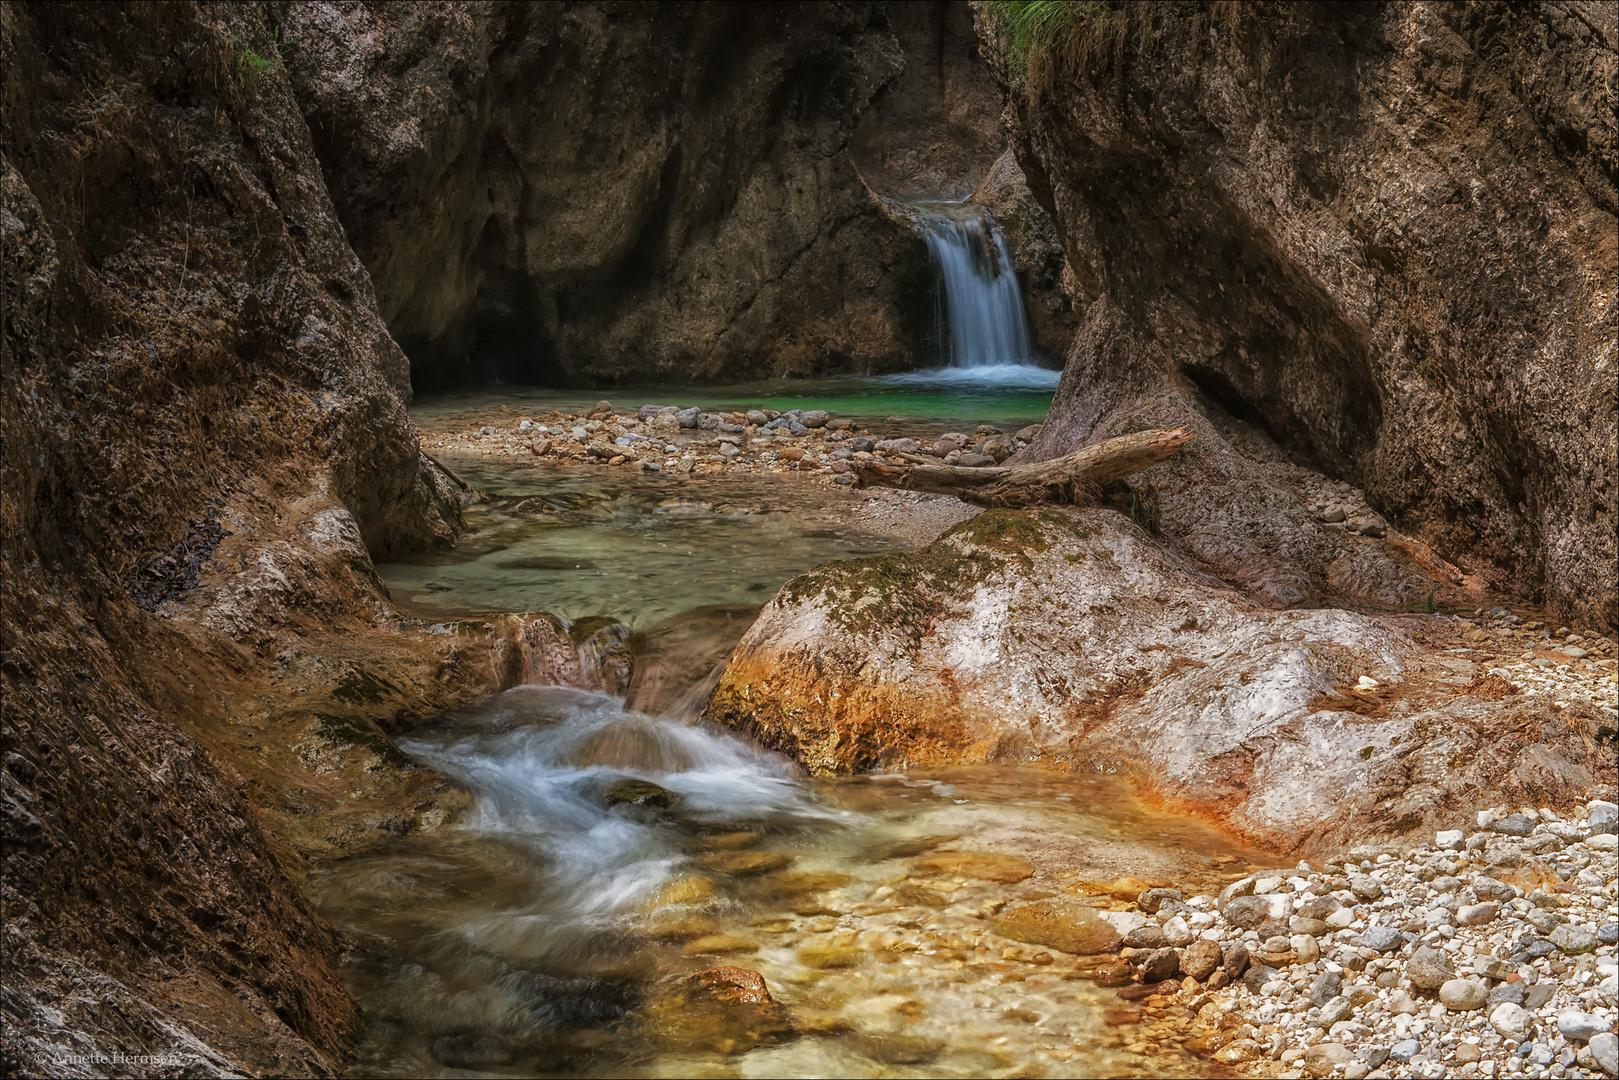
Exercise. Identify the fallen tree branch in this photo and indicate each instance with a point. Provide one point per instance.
(1073, 478)
(447, 471)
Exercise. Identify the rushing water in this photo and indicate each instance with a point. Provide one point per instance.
(540, 937)
(983, 304)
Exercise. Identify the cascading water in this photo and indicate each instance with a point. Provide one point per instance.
(983, 304)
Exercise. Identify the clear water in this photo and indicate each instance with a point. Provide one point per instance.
(1010, 395)
(538, 938)
(589, 542)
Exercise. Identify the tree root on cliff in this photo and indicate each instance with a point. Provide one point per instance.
(1075, 478)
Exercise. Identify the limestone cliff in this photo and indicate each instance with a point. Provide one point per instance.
(1383, 236)
(598, 192)
(205, 429)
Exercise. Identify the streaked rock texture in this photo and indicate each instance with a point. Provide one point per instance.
(1381, 236)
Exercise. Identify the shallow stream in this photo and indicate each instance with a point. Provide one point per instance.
(613, 852)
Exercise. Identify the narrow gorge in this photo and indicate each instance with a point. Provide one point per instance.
(817, 539)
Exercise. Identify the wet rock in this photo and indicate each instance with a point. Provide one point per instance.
(719, 944)
(1200, 959)
(631, 792)
(831, 957)
(1161, 964)
(894, 1048)
(746, 863)
(1059, 924)
(983, 865)
(472, 1051)
(723, 1007)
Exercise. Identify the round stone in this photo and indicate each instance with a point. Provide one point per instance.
(1463, 995)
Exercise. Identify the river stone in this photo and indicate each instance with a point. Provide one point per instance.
(1200, 959)
(629, 792)
(1468, 1052)
(1450, 840)
(756, 417)
(1247, 912)
(1382, 938)
(1446, 884)
(1514, 825)
(746, 863)
(1538, 995)
(1463, 995)
(1580, 1026)
(1543, 920)
(975, 461)
(1428, 969)
(1608, 933)
(1327, 985)
(1477, 914)
(1572, 940)
(1306, 949)
(1511, 1021)
(1335, 1009)
(1059, 924)
(1235, 960)
(1177, 933)
(1318, 908)
(831, 957)
(1150, 936)
(725, 1007)
(1257, 976)
(1492, 967)
(1508, 991)
(1488, 888)
(1301, 924)
(1605, 1052)
(983, 865)
(1161, 964)
(1404, 1050)
(1365, 888)
(815, 418)
(1152, 899)
(1603, 819)
(687, 418)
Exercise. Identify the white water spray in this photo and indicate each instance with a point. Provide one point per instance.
(983, 304)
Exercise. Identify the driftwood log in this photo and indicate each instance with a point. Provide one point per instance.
(1074, 478)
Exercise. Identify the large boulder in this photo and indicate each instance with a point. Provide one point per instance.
(1073, 637)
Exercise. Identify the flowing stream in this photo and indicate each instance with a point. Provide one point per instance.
(620, 847)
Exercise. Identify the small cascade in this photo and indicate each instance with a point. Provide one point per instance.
(588, 654)
(983, 304)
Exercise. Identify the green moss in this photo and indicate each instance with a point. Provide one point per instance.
(1366, 752)
(907, 591)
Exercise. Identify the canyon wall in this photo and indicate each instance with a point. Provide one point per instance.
(205, 430)
(590, 193)
(1383, 236)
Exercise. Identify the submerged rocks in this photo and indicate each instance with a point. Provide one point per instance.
(1060, 924)
(983, 865)
(632, 792)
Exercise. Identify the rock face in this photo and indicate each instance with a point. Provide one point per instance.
(205, 433)
(593, 192)
(1073, 637)
(1383, 237)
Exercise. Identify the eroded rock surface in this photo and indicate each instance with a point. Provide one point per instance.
(1076, 639)
(1385, 236)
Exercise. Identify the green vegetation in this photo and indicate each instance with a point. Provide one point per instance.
(248, 65)
(1047, 39)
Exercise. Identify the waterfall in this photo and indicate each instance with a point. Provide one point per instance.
(983, 304)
